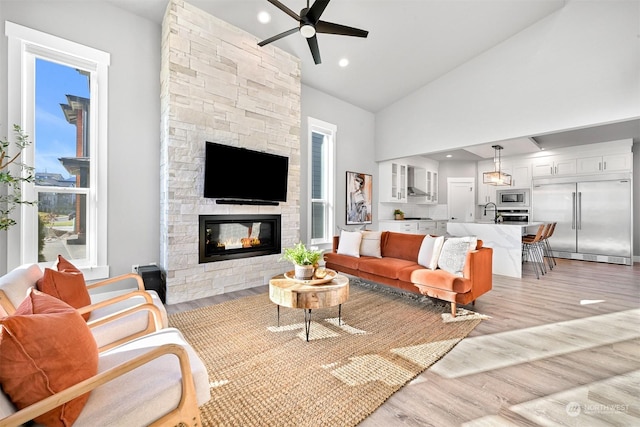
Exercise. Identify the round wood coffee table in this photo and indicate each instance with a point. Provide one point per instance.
(299, 294)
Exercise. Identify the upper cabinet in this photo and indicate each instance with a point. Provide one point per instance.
(605, 163)
(393, 182)
(521, 174)
(553, 166)
(432, 186)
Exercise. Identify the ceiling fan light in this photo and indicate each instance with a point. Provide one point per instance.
(307, 31)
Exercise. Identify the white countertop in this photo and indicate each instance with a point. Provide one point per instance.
(412, 220)
(502, 224)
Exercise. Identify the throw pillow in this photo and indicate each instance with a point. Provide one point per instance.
(46, 347)
(67, 286)
(62, 264)
(430, 251)
(350, 243)
(370, 245)
(454, 253)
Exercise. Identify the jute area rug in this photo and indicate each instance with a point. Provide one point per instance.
(265, 375)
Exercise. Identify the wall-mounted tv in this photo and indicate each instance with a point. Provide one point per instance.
(240, 174)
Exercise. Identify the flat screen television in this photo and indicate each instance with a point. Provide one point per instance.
(246, 175)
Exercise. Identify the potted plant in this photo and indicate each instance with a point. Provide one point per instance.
(304, 260)
(12, 180)
(398, 214)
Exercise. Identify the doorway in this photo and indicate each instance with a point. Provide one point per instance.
(461, 199)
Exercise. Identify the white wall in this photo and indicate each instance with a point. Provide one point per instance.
(354, 151)
(134, 112)
(575, 68)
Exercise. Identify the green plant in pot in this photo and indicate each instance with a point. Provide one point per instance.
(304, 260)
(398, 214)
(13, 173)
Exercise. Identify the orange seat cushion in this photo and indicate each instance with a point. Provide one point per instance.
(67, 284)
(46, 347)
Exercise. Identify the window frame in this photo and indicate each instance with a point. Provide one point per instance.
(330, 131)
(24, 46)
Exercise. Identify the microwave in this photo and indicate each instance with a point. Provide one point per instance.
(513, 198)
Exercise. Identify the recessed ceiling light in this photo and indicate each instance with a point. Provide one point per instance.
(448, 156)
(264, 17)
(343, 62)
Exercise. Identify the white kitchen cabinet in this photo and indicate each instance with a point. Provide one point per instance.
(427, 227)
(432, 186)
(607, 163)
(400, 226)
(553, 166)
(393, 182)
(521, 175)
(441, 228)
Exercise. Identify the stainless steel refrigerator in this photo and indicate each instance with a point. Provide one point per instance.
(593, 215)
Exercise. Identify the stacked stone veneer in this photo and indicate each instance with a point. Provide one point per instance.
(218, 85)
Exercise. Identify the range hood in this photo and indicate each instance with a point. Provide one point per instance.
(414, 191)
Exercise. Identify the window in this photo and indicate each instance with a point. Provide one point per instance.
(321, 181)
(60, 88)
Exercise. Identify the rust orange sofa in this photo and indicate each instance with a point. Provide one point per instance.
(398, 267)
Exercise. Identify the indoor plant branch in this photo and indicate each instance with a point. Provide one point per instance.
(11, 181)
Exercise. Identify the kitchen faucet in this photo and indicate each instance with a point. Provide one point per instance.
(495, 211)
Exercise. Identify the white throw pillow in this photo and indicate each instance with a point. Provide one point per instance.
(454, 253)
(370, 245)
(430, 251)
(350, 243)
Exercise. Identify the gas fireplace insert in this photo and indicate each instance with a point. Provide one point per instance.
(224, 237)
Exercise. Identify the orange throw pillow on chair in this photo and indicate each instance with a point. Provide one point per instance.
(46, 347)
(67, 284)
(63, 265)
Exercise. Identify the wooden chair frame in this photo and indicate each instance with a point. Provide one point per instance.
(155, 316)
(186, 413)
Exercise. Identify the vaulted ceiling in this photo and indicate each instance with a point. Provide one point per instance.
(410, 43)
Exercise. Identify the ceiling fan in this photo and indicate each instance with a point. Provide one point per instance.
(310, 25)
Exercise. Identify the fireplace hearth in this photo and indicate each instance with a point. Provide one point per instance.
(224, 237)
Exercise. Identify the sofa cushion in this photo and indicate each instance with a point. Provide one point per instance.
(68, 286)
(46, 347)
(339, 260)
(387, 267)
(454, 253)
(370, 245)
(430, 251)
(350, 243)
(401, 245)
(441, 279)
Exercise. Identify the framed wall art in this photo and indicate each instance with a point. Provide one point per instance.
(359, 196)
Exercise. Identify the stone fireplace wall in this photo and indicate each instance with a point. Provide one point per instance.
(218, 85)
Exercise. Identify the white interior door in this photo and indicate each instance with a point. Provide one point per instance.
(461, 196)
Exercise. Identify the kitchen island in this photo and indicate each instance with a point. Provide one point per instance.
(504, 238)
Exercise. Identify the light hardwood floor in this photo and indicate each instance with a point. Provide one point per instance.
(563, 350)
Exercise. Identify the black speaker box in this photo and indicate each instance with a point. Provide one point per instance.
(153, 280)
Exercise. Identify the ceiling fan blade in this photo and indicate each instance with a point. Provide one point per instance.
(278, 36)
(331, 28)
(313, 45)
(316, 10)
(285, 9)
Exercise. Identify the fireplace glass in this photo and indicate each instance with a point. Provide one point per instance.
(224, 237)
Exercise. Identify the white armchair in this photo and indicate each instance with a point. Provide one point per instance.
(15, 285)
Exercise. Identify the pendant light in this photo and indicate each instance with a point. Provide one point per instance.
(497, 177)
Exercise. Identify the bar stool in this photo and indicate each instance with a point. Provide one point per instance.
(531, 246)
(547, 245)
